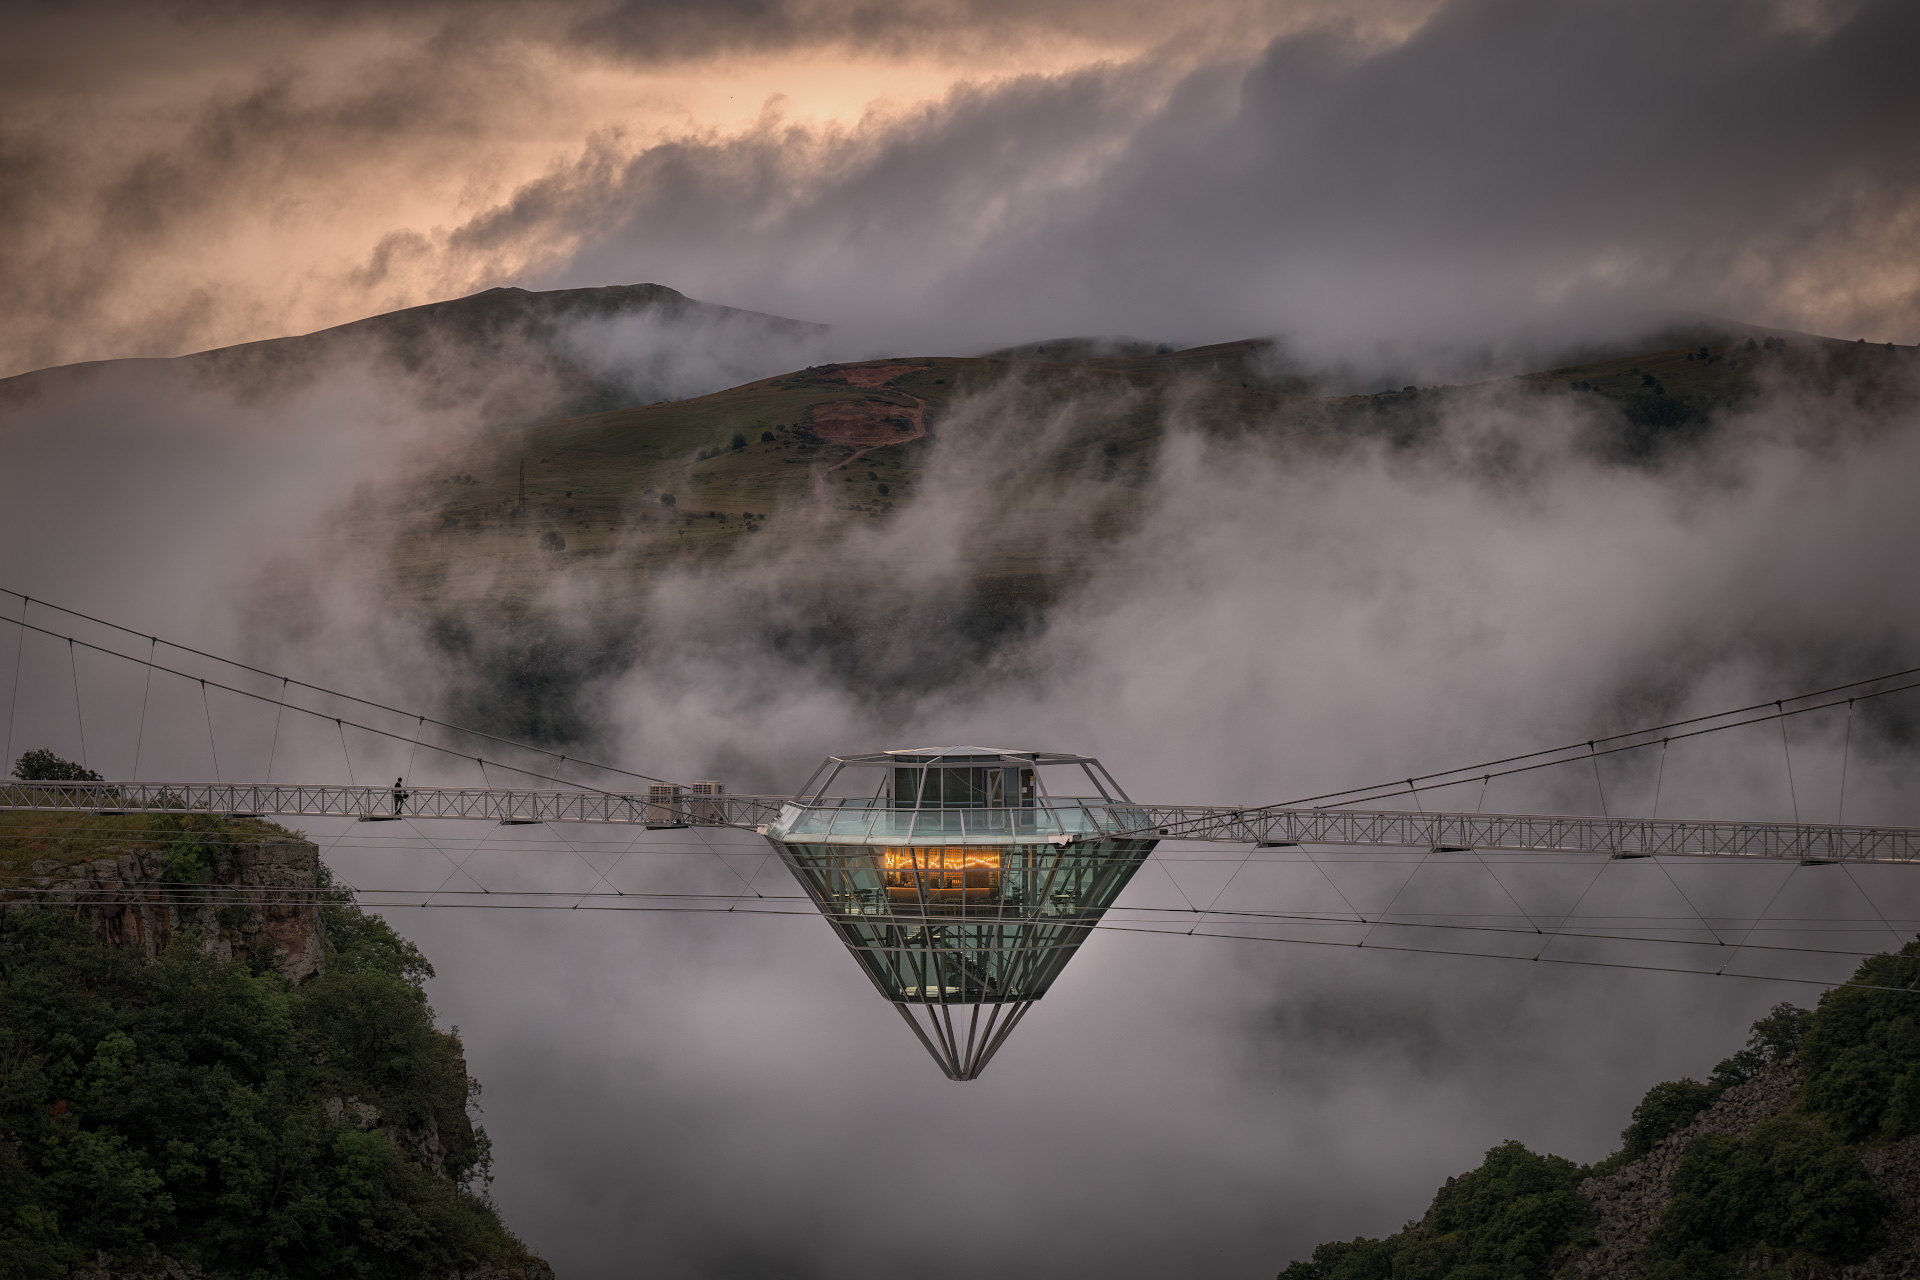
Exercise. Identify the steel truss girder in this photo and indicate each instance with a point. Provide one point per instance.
(1526, 833)
(374, 804)
(1531, 833)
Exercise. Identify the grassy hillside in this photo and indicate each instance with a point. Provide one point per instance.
(780, 466)
(897, 523)
(786, 467)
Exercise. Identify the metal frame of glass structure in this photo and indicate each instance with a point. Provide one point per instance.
(960, 883)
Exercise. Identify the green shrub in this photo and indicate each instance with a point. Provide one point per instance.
(190, 845)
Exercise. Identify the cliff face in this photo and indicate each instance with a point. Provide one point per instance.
(260, 899)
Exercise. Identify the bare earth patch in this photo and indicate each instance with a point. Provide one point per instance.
(878, 375)
(863, 425)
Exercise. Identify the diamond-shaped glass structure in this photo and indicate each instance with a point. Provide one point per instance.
(960, 883)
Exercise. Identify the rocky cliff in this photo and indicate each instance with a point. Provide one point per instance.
(259, 898)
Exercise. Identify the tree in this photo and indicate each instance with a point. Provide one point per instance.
(1506, 1220)
(666, 499)
(739, 441)
(1669, 1105)
(1787, 1188)
(41, 765)
(1860, 1051)
(1673, 1104)
(191, 1107)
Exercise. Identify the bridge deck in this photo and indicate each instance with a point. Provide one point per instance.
(1622, 837)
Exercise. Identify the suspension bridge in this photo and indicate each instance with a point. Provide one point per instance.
(958, 879)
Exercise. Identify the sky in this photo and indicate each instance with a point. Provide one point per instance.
(1415, 189)
(1392, 172)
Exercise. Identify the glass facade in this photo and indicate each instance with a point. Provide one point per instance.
(959, 884)
(962, 787)
(964, 922)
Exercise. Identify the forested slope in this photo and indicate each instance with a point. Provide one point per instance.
(181, 1086)
(1798, 1157)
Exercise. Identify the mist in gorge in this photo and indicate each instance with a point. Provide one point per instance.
(1265, 399)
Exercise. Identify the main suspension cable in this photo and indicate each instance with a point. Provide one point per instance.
(285, 680)
(321, 715)
(1386, 789)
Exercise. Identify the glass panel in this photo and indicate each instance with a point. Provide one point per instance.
(811, 822)
(937, 822)
(991, 822)
(892, 824)
(851, 822)
(960, 787)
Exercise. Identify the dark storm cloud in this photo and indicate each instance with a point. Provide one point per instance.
(1502, 167)
(1496, 169)
(115, 236)
(198, 174)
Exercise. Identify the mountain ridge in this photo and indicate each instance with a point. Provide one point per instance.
(518, 355)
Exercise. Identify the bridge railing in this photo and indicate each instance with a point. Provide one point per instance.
(672, 807)
(1278, 826)
(1621, 837)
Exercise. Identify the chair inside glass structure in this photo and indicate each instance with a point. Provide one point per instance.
(959, 880)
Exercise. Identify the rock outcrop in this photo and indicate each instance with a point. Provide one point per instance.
(262, 898)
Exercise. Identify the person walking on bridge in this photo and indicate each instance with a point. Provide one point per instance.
(399, 798)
